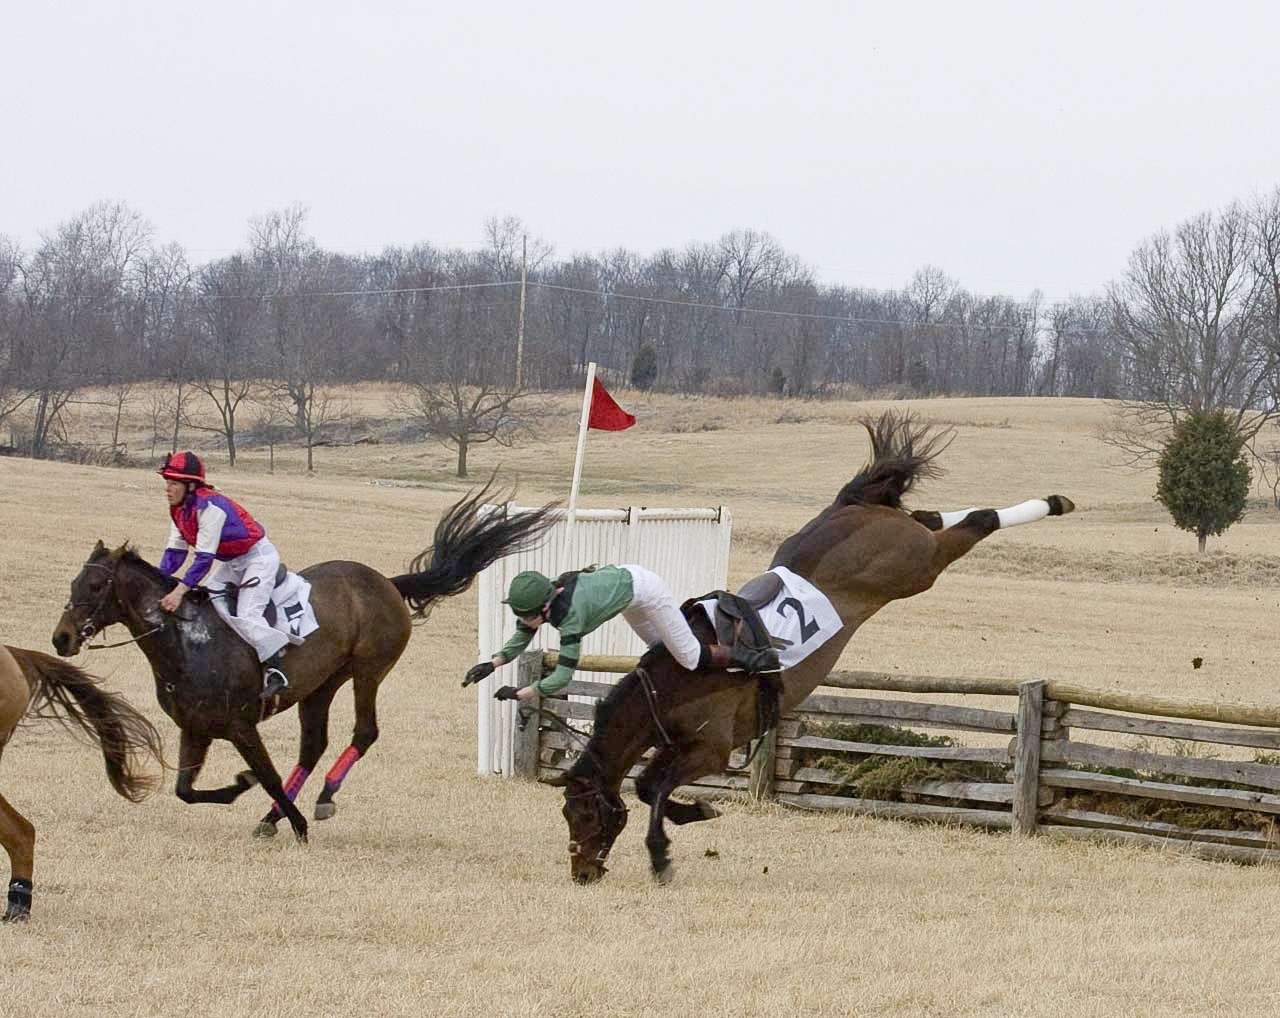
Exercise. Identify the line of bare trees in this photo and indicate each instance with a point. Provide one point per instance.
(271, 330)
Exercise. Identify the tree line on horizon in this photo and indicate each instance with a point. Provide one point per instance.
(1194, 323)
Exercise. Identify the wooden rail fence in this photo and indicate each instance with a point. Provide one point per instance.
(1058, 749)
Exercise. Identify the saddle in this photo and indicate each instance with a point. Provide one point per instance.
(737, 623)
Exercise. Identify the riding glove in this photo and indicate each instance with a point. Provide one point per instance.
(478, 672)
(505, 693)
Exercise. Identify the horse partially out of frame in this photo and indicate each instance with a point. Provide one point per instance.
(208, 679)
(862, 551)
(35, 685)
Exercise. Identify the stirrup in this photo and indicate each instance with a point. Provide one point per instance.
(274, 682)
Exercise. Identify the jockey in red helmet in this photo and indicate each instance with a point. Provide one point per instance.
(221, 530)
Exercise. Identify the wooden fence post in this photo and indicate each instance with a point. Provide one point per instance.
(1026, 759)
(760, 781)
(524, 742)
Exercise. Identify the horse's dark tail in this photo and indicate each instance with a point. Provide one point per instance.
(67, 694)
(469, 538)
(903, 450)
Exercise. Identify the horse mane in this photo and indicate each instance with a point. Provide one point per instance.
(128, 554)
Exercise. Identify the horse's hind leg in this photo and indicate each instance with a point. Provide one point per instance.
(18, 837)
(364, 735)
(958, 532)
(1024, 512)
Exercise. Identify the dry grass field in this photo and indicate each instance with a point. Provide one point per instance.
(435, 891)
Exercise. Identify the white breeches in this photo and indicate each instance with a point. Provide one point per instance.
(655, 616)
(261, 562)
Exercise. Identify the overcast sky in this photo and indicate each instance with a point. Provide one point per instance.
(1017, 146)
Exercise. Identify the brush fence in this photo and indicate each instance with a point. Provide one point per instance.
(1057, 744)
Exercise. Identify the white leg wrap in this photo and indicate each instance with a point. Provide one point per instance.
(1024, 512)
(949, 520)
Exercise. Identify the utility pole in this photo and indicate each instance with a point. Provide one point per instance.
(524, 254)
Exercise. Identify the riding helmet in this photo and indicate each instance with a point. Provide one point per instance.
(529, 592)
(183, 466)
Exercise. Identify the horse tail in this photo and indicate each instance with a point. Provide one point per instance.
(65, 693)
(469, 538)
(903, 450)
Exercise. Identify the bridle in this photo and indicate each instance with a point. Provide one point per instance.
(610, 815)
(93, 624)
(608, 809)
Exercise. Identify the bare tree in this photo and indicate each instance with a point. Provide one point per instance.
(69, 325)
(461, 416)
(223, 361)
(273, 424)
(1191, 320)
(312, 409)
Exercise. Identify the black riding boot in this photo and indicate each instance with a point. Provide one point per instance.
(274, 680)
(717, 655)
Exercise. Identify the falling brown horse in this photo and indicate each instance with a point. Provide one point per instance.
(34, 685)
(861, 552)
(208, 679)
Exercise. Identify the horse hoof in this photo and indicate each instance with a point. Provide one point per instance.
(325, 810)
(245, 780)
(708, 811)
(1059, 505)
(265, 829)
(664, 875)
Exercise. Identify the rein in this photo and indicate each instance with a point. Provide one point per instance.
(91, 626)
(124, 643)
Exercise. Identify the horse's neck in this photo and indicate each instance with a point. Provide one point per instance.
(139, 592)
(620, 738)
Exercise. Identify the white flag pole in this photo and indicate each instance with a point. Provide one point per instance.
(577, 465)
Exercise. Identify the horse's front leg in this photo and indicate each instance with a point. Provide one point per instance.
(656, 841)
(192, 749)
(313, 739)
(249, 743)
(678, 813)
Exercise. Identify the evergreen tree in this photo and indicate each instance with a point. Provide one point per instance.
(1204, 476)
(644, 368)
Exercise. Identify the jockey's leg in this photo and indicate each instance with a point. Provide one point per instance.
(655, 616)
(255, 573)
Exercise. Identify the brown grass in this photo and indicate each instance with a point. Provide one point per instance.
(436, 891)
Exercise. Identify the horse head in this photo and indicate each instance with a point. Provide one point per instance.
(93, 605)
(596, 817)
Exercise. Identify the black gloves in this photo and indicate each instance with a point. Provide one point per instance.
(478, 672)
(505, 693)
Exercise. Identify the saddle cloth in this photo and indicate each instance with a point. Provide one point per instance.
(799, 618)
(294, 615)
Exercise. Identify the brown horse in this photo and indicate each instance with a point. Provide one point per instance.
(861, 552)
(34, 685)
(208, 679)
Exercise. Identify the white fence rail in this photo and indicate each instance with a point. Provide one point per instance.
(689, 548)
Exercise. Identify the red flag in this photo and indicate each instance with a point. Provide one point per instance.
(605, 414)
